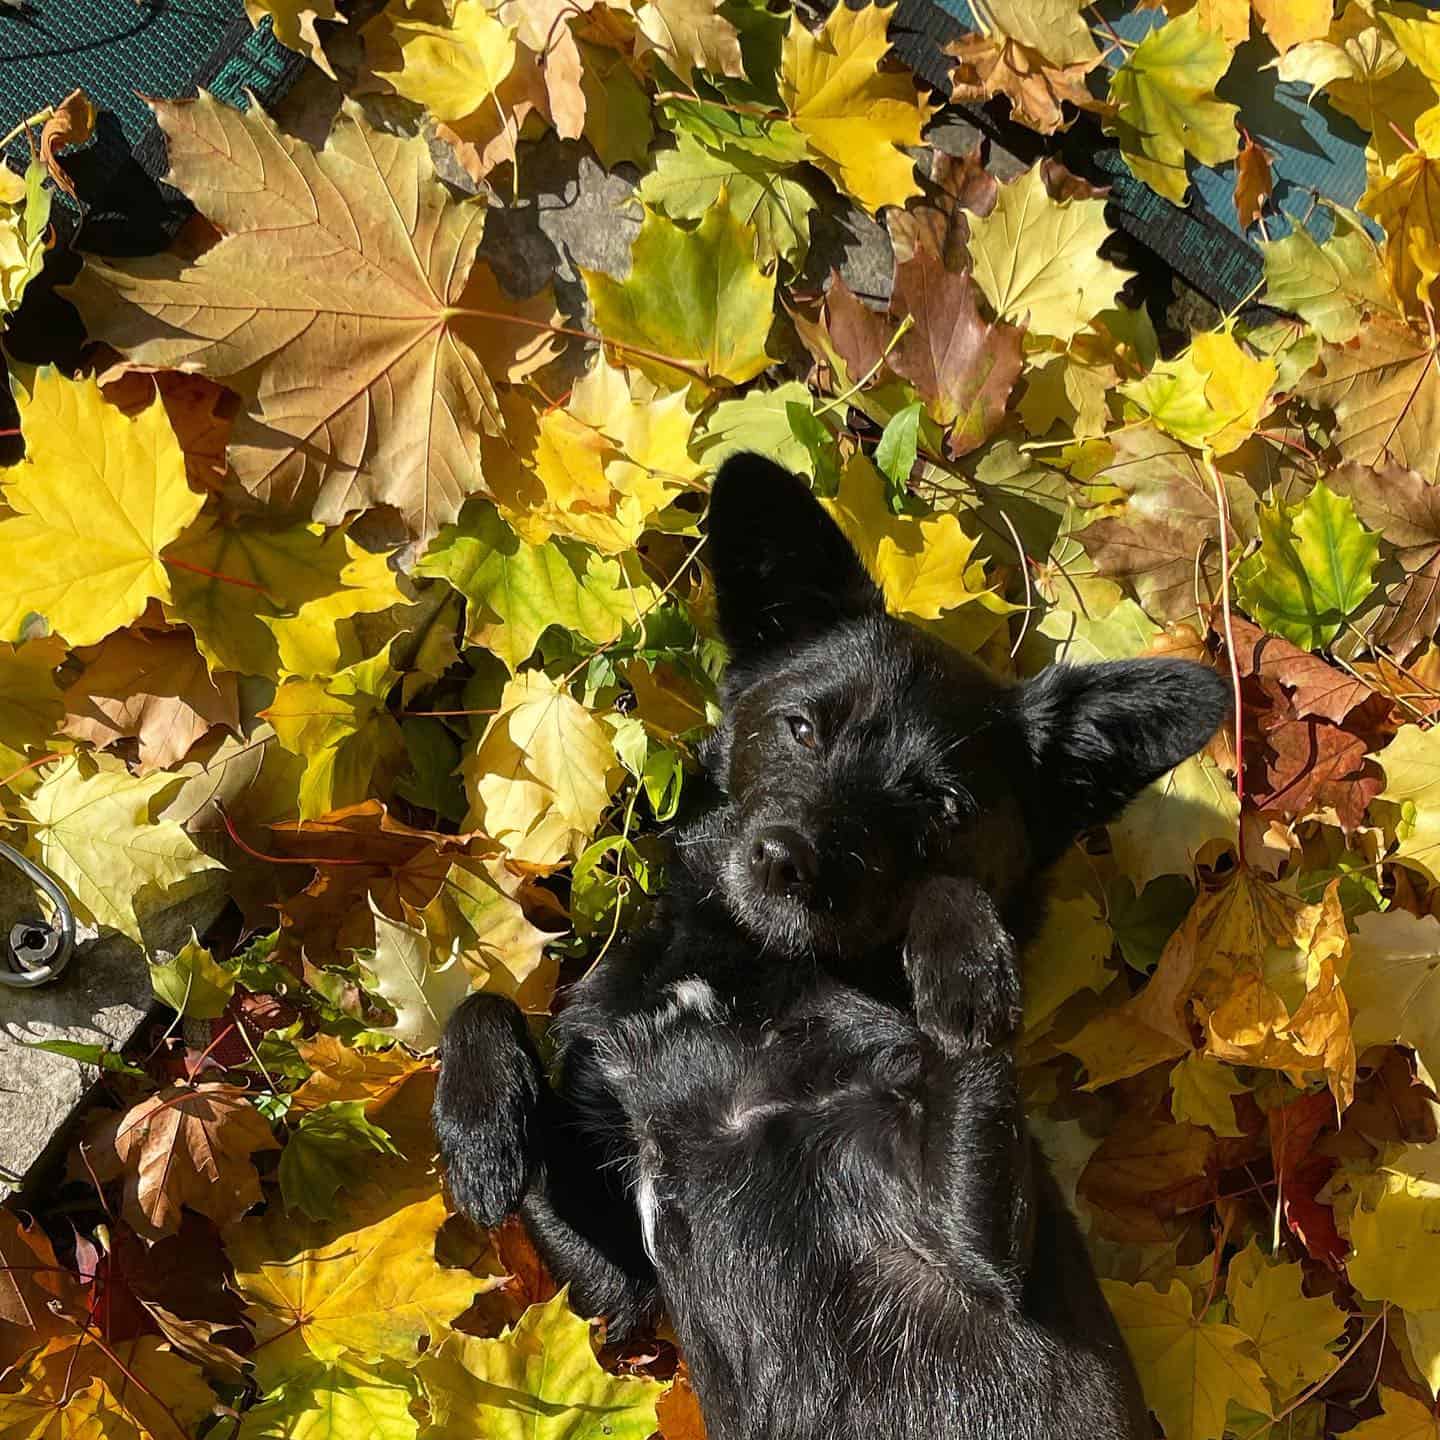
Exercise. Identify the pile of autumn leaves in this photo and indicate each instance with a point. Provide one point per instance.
(354, 589)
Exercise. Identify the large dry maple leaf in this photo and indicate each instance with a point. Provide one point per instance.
(343, 303)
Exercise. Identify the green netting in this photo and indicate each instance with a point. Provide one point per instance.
(118, 51)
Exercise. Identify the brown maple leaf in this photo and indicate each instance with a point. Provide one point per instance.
(34, 1290)
(938, 224)
(960, 364)
(343, 303)
(1254, 181)
(1317, 687)
(1301, 1174)
(1405, 508)
(1311, 765)
(187, 1146)
(153, 688)
(1143, 1173)
(1166, 539)
(1384, 387)
(987, 66)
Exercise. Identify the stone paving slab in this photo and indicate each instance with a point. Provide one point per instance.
(102, 998)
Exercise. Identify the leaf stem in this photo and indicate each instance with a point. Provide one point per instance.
(691, 367)
(845, 395)
(1223, 517)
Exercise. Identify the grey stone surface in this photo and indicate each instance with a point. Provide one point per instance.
(102, 998)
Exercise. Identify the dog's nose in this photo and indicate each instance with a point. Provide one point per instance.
(782, 861)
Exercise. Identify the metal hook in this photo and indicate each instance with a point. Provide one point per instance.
(39, 949)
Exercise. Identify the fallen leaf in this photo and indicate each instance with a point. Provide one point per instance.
(72, 123)
(423, 329)
(1384, 387)
(540, 1381)
(1402, 1417)
(1165, 106)
(421, 987)
(1254, 181)
(94, 832)
(154, 688)
(542, 774)
(1294, 1334)
(689, 35)
(693, 297)
(1037, 261)
(320, 1292)
(1332, 286)
(187, 1146)
(88, 569)
(342, 1399)
(855, 115)
(293, 22)
(1313, 569)
(1191, 1371)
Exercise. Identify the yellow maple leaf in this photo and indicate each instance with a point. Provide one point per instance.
(541, 776)
(420, 986)
(75, 1389)
(855, 116)
(95, 833)
(1071, 953)
(453, 64)
(1190, 1370)
(1393, 983)
(477, 915)
(1411, 762)
(315, 640)
(339, 1072)
(1165, 105)
(1402, 1417)
(30, 705)
(1405, 199)
(1294, 1333)
(924, 566)
(1200, 1093)
(1394, 1230)
(24, 221)
(293, 22)
(320, 1291)
(97, 497)
(687, 35)
(1366, 75)
(1037, 258)
(1211, 396)
(545, 1367)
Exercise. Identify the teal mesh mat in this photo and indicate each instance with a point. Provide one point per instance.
(1317, 153)
(118, 51)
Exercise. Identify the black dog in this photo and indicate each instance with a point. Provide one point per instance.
(788, 1111)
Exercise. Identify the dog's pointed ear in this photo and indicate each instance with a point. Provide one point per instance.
(784, 571)
(1099, 734)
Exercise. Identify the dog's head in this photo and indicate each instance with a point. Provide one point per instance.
(858, 755)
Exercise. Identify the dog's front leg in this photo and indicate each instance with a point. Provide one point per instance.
(510, 1143)
(965, 978)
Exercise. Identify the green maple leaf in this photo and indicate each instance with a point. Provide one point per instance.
(331, 1147)
(1166, 108)
(1314, 567)
(752, 168)
(696, 296)
(343, 1401)
(515, 591)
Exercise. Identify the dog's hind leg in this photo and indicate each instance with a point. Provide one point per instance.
(509, 1143)
(965, 978)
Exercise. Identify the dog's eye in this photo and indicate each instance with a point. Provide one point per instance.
(955, 805)
(803, 731)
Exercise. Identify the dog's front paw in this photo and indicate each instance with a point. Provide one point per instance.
(962, 965)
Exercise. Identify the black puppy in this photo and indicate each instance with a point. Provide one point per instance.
(788, 1110)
